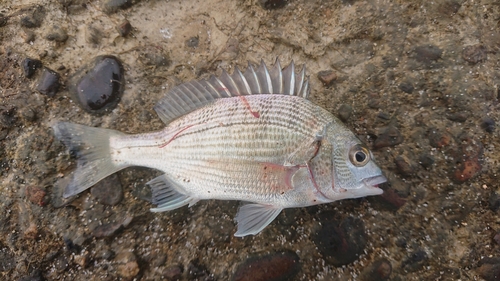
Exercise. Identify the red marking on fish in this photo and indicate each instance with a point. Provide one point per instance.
(176, 134)
(283, 174)
(247, 105)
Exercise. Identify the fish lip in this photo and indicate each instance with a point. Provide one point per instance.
(373, 182)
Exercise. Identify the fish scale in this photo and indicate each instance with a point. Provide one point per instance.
(251, 136)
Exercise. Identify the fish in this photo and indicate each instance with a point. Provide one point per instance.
(254, 137)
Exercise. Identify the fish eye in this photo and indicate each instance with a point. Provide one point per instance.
(359, 155)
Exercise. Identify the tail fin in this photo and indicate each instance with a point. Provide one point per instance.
(91, 146)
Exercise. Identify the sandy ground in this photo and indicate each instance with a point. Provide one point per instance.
(421, 78)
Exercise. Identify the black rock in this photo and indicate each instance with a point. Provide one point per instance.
(98, 86)
(426, 160)
(48, 84)
(124, 28)
(30, 65)
(173, 273)
(193, 42)
(406, 87)
(460, 116)
(3, 20)
(474, 54)
(35, 18)
(108, 191)
(427, 53)
(112, 6)
(489, 269)
(273, 4)
(494, 201)
(57, 34)
(488, 124)
(279, 266)
(341, 243)
(390, 136)
(345, 112)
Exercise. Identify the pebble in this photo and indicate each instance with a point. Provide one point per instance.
(93, 35)
(278, 266)
(426, 160)
(98, 86)
(474, 54)
(82, 260)
(108, 191)
(327, 77)
(427, 53)
(389, 136)
(107, 230)
(341, 242)
(3, 20)
(345, 112)
(124, 28)
(112, 6)
(37, 195)
(173, 273)
(488, 124)
(391, 197)
(496, 238)
(30, 65)
(489, 269)
(48, 83)
(57, 34)
(406, 87)
(273, 4)
(379, 270)
(127, 266)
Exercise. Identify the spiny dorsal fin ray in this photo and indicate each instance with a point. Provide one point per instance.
(192, 95)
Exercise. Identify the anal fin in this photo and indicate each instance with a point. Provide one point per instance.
(253, 218)
(167, 196)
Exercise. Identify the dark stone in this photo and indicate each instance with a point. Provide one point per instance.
(327, 77)
(488, 124)
(474, 54)
(71, 246)
(173, 273)
(124, 28)
(450, 7)
(93, 35)
(392, 198)
(496, 238)
(57, 34)
(406, 87)
(98, 86)
(427, 53)
(279, 266)
(112, 6)
(273, 4)
(458, 116)
(384, 116)
(489, 269)
(380, 270)
(494, 201)
(107, 230)
(30, 65)
(416, 261)
(48, 83)
(426, 160)
(30, 22)
(108, 191)
(342, 242)
(193, 42)
(390, 136)
(345, 112)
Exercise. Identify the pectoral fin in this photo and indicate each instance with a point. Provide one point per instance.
(252, 218)
(167, 196)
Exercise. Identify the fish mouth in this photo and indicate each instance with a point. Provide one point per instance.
(373, 182)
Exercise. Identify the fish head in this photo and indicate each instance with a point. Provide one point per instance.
(354, 172)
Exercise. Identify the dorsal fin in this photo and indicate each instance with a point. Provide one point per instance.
(189, 96)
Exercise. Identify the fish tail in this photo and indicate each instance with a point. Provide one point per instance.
(91, 146)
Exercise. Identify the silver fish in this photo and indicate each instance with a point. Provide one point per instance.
(250, 136)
